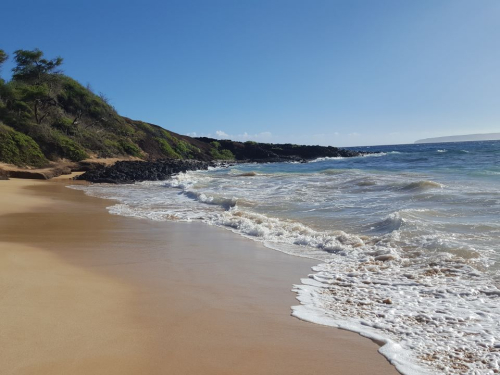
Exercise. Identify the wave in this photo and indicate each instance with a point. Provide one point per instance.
(327, 158)
(375, 154)
(226, 203)
(433, 311)
(333, 172)
(391, 223)
(421, 186)
(420, 306)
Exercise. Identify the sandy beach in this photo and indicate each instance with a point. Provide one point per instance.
(86, 292)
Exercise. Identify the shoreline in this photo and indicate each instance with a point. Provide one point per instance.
(144, 297)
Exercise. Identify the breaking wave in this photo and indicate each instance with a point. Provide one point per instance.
(403, 259)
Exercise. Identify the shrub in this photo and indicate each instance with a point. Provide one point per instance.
(167, 150)
(19, 149)
(69, 149)
(130, 148)
(65, 125)
(222, 154)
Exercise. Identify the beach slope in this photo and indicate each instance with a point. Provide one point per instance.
(86, 292)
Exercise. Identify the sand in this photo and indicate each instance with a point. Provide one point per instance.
(85, 292)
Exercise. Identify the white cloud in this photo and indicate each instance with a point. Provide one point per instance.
(221, 134)
(243, 137)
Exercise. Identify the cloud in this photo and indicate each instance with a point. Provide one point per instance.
(221, 134)
(261, 137)
(243, 137)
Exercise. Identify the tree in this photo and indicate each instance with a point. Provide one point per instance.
(32, 67)
(3, 57)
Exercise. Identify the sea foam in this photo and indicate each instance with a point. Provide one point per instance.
(403, 265)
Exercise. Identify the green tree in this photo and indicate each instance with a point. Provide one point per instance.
(42, 103)
(32, 67)
(3, 57)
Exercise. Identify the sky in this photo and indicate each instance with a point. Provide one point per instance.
(341, 73)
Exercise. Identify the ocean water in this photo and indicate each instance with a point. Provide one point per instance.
(407, 241)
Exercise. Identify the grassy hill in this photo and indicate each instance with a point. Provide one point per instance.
(47, 116)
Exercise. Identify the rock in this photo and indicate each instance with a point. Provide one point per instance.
(3, 175)
(268, 153)
(385, 257)
(39, 174)
(387, 301)
(131, 171)
(31, 175)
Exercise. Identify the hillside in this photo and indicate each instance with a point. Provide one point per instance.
(46, 116)
(462, 138)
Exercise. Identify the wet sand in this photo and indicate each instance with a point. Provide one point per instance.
(86, 292)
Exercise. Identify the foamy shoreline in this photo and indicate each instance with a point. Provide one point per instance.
(429, 303)
(93, 293)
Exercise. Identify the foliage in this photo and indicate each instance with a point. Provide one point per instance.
(69, 149)
(130, 148)
(31, 66)
(68, 120)
(3, 57)
(19, 149)
(222, 154)
(219, 154)
(167, 150)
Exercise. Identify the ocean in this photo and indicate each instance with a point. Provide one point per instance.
(406, 240)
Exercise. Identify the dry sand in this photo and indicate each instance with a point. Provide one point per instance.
(85, 292)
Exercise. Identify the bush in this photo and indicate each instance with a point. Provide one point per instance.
(65, 125)
(130, 148)
(69, 149)
(222, 154)
(19, 149)
(167, 150)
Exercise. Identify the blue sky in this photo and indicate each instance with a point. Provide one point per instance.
(340, 73)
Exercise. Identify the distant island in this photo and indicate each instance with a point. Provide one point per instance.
(462, 138)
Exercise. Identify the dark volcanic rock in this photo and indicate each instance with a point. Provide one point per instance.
(269, 152)
(3, 175)
(31, 175)
(131, 171)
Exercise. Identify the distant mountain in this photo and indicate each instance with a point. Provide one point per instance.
(462, 138)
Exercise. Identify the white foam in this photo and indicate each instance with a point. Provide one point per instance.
(432, 311)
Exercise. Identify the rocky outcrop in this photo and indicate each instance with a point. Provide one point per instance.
(248, 152)
(132, 171)
(35, 174)
(271, 152)
(3, 175)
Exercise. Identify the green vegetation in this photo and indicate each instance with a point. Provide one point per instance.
(219, 154)
(66, 120)
(19, 149)
(167, 150)
(47, 116)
